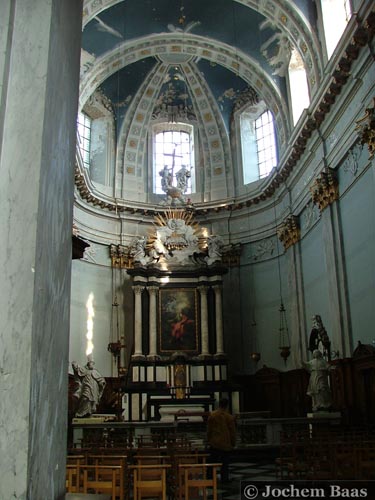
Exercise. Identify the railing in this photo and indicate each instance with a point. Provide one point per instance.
(251, 432)
(267, 431)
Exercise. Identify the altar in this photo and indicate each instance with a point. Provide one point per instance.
(185, 412)
(178, 354)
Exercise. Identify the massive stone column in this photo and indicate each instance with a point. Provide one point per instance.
(39, 77)
(138, 320)
(204, 320)
(152, 290)
(219, 320)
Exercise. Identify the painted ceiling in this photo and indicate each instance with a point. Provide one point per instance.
(212, 54)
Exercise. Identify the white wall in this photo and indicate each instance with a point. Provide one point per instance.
(91, 278)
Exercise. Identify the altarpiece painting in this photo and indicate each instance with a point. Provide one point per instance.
(178, 320)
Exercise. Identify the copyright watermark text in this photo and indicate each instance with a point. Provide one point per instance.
(252, 490)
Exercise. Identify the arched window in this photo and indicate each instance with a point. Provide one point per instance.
(173, 149)
(84, 137)
(336, 15)
(299, 90)
(96, 140)
(258, 144)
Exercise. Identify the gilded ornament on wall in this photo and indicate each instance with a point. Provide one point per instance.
(325, 189)
(366, 129)
(289, 232)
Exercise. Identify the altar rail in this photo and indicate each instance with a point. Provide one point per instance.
(267, 431)
(251, 432)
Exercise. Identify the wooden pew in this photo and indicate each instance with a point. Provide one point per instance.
(103, 479)
(149, 481)
(196, 477)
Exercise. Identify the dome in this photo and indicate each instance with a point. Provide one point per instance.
(199, 72)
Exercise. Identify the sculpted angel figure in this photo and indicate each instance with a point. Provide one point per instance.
(215, 249)
(279, 57)
(138, 250)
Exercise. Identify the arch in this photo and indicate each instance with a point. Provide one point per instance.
(243, 65)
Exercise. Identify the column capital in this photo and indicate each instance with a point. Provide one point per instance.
(138, 289)
(325, 189)
(203, 289)
(120, 256)
(217, 288)
(152, 290)
(366, 131)
(289, 232)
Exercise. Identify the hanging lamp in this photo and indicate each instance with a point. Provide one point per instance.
(284, 340)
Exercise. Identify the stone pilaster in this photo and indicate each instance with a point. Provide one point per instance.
(204, 320)
(297, 311)
(340, 334)
(152, 291)
(138, 290)
(219, 320)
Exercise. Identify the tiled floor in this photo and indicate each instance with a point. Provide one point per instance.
(261, 470)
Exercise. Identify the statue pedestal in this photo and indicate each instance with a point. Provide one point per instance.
(96, 418)
(325, 415)
(323, 418)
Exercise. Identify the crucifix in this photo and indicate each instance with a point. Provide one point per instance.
(174, 156)
(174, 191)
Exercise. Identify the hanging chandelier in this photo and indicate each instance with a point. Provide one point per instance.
(254, 355)
(284, 340)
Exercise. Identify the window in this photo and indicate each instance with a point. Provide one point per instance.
(299, 91)
(336, 15)
(84, 137)
(266, 145)
(258, 143)
(173, 149)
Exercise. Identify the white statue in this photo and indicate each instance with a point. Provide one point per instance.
(214, 249)
(318, 388)
(138, 250)
(182, 177)
(166, 178)
(174, 192)
(90, 388)
(158, 251)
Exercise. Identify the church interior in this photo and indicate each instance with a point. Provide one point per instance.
(198, 224)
